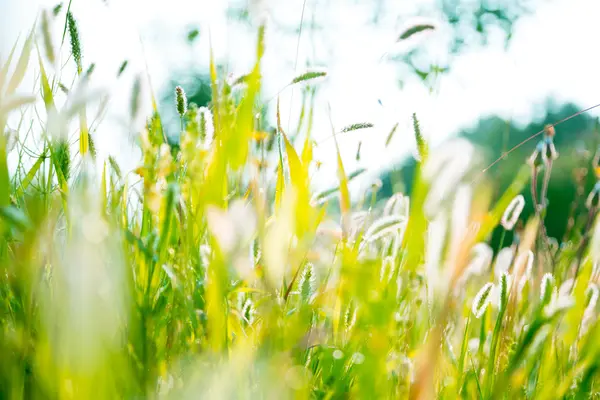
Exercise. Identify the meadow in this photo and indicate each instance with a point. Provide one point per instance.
(216, 270)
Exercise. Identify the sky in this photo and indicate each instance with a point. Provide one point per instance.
(552, 54)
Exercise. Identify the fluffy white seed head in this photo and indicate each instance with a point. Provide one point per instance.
(513, 212)
(482, 299)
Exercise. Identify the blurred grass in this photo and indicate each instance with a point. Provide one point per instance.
(221, 278)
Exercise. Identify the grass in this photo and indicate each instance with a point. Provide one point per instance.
(215, 270)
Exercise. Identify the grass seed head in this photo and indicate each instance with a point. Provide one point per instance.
(504, 283)
(181, 100)
(482, 300)
(75, 42)
(57, 9)
(308, 283)
(513, 212)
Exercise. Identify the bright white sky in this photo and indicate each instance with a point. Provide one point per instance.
(553, 53)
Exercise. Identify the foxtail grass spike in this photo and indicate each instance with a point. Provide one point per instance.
(421, 143)
(75, 41)
(307, 76)
(482, 300)
(181, 100)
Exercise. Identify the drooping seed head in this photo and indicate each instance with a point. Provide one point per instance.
(512, 212)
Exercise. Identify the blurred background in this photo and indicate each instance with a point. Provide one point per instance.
(494, 71)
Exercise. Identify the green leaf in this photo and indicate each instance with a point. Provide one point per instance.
(165, 231)
(463, 349)
(15, 217)
(6, 66)
(294, 164)
(496, 335)
(414, 238)
(46, 90)
(343, 179)
(21, 67)
(30, 175)
(280, 185)
(103, 191)
(239, 145)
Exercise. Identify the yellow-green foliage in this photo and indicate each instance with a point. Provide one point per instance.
(223, 275)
